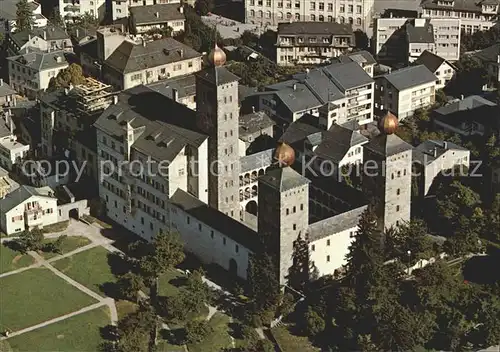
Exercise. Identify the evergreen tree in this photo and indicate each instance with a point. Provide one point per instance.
(24, 16)
(264, 284)
(165, 252)
(135, 330)
(303, 269)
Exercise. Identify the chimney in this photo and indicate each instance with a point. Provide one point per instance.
(29, 37)
(181, 53)
(1, 82)
(390, 14)
(157, 14)
(462, 97)
(294, 87)
(435, 152)
(115, 99)
(66, 91)
(143, 42)
(253, 109)
(175, 94)
(44, 35)
(445, 145)
(498, 59)
(77, 32)
(11, 125)
(181, 9)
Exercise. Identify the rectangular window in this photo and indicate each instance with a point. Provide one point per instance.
(199, 227)
(236, 248)
(327, 242)
(224, 241)
(212, 233)
(327, 258)
(188, 220)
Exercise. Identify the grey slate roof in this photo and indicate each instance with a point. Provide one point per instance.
(361, 57)
(387, 145)
(218, 75)
(51, 32)
(425, 151)
(254, 122)
(311, 28)
(5, 89)
(430, 60)
(337, 141)
(185, 86)
(233, 229)
(348, 75)
(409, 77)
(255, 161)
(463, 5)
(40, 61)
(21, 194)
(471, 109)
(148, 14)
(167, 126)
(299, 130)
(8, 8)
(335, 224)
(131, 57)
(489, 54)
(283, 179)
(423, 34)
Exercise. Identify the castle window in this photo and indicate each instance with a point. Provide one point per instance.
(397, 207)
(313, 247)
(287, 211)
(225, 100)
(392, 176)
(224, 241)
(327, 242)
(404, 172)
(398, 192)
(399, 173)
(302, 207)
(236, 248)
(294, 209)
(142, 221)
(295, 226)
(351, 234)
(212, 233)
(328, 258)
(225, 117)
(199, 227)
(230, 98)
(188, 219)
(227, 200)
(151, 226)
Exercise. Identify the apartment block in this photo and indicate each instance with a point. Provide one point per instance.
(121, 8)
(473, 15)
(71, 9)
(404, 39)
(150, 17)
(357, 13)
(403, 91)
(442, 69)
(312, 42)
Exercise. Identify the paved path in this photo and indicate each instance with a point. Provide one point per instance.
(55, 320)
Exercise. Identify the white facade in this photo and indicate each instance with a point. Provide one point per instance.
(446, 38)
(120, 8)
(444, 74)
(11, 151)
(28, 80)
(36, 211)
(207, 243)
(39, 19)
(176, 25)
(71, 9)
(478, 17)
(271, 12)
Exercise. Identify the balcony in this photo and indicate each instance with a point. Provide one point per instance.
(248, 194)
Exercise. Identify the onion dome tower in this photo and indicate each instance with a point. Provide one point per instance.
(388, 124)
(284, 154)
(217, 56)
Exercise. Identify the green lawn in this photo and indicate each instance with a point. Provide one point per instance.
(219, 339)
(12, 260)
(57, 227)
(78, 333)
(124, 308)
(165, 283)
(36, 295)
(90, 268)
(69, 244)
(289, 342)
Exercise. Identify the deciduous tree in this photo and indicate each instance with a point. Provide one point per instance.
(24, 16)
(72, 75)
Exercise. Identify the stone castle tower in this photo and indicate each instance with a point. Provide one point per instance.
(387, 174)
(218, 116)
(283, 213)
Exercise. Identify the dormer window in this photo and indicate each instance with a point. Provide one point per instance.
(300, 39)
(312, 40)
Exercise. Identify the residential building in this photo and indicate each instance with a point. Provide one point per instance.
(404, 91)
(48, 38)
(270, 13)
(474, 15)
(8, 15)
(442, 68)
(182, 89)
(11, 150)
(252, 127)
(27, 208)
(343, 90)
(363, 58)
(159, 16)
(467, 117)
(70, 10)
(431, 158)
(7, 94)
(135, 130)
(121, 8)
(402, 40)
(30, 73)
(489, 58)
(130, 64)
(312, 42)
(390, 175)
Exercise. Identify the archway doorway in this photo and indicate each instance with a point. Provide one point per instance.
(233, 267)
(73, 213)
(251, 207)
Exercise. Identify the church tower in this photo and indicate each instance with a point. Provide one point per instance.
(283, 212)
(217, 110)
(387, 174)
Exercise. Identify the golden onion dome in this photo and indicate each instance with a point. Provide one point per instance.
(284, 154)
(388, 124)
(217, 56)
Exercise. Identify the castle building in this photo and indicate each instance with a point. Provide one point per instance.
(218, 117)
(387, 174)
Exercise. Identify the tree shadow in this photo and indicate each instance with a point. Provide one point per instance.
(15, 246)
(118, 264)
(235, 330)
(478, 270)
(111, 289)
(109, 333)
(179, 281)
(174, 336)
